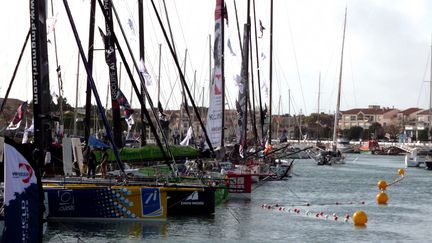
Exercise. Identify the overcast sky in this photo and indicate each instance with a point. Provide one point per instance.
(386, 61)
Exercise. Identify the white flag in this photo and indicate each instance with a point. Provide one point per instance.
(144, 72)
(185, 141)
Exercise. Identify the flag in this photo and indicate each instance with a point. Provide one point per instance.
(22, 200)
(143, 70)
(262, 28)
(51, 23)
(131, 26)
(19, 115)
(230, 47)
(127, 110)
(185, 141)
(132, 30)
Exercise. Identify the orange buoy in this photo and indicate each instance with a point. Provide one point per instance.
(401, 172)
(382, 185)
(360, 218)
(382, 198)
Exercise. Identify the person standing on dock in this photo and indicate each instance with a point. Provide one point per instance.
(91, 163)
(104, 163)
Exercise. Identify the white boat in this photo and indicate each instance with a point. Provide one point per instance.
(414, 159)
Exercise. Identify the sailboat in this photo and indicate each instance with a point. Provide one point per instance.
(333, 156)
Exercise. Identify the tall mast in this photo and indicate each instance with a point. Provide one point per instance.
(110, 58)
(278, 118)
(242, 100)
(430, 98)
(141, 54)
(90, 67)
(40, 79)
(318, 108)
(258, 74)
(335, 126)
(254, 127)
(59, 79)
(223, 73)
(210, 64)
(76, 97)
(289, 113)
(271, 71)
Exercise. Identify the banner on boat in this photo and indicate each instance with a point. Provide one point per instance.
(132, 202)
(21, 199)
(214, 115)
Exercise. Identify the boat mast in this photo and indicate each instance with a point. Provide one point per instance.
(90, 66)
(289, 113)
(430, 99)
(335, 126)
(318, 108)
(59, 78)
(243, 94)
(271, 71)
(40, 79)
(254, 127)
(110, 58)
(141, 53)
(258, 75)
(159, 73)
(223, 15)
(76, 98)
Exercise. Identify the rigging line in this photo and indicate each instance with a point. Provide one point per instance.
(182, 33)
(15, 71)
(352, 77)
(297, 65)
(172, 90)
(424, 77)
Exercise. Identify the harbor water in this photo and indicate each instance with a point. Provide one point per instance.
(333, 190)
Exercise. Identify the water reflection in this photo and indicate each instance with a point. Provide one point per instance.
(77, 231)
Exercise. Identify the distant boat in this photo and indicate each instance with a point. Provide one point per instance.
(371, 147)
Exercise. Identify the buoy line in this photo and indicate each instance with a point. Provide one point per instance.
(308, 213)
(359, 218)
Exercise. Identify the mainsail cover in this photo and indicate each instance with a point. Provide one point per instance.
(214, 115)
(21, 199)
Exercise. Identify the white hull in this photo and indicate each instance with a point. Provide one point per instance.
(413, 161)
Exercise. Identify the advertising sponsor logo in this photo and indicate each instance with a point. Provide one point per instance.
(25, 172)
(66, 201)
(192, 199)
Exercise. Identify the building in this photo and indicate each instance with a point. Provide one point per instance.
(364, 117)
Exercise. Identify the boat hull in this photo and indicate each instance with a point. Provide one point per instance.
(105, 202)
(198, 202)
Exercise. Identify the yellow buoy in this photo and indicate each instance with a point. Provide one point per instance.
(382, 185)
(381, 198)
(401, 172)
(360, 218)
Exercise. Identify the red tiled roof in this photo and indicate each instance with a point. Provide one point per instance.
(410, 111)
(366, 111)
(425, 112)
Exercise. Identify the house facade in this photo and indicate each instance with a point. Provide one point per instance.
(364, 117)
